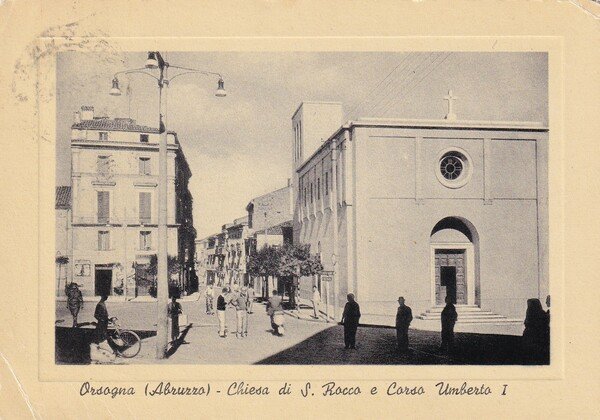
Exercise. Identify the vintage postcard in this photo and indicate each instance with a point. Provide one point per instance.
(243, 217)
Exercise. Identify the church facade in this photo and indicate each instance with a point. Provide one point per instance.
(424, 209)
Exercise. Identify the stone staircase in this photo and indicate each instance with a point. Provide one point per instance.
(468, 314)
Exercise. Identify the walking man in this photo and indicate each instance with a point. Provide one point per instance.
(350, 318)
(316, 300)
(209, 295)
(403, 320)
(221, 306)
(449, 317)
(74, 301)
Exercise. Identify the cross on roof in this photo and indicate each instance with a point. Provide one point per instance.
(450, 98)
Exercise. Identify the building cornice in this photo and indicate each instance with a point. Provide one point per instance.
(527, 126)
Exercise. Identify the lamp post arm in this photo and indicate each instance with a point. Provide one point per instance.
(190, 71)
(137, 71)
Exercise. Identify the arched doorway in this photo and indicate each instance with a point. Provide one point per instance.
(454, 262)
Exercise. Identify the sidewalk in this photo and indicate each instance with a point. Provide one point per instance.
(189, 298)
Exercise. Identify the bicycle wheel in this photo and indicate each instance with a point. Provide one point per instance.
(130, 344)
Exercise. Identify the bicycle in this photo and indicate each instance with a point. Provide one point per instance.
(127, 343)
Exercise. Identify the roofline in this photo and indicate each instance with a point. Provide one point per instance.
(265, 194)
(314, 102)
(429, 124)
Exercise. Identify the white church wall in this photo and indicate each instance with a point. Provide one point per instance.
(393, 227)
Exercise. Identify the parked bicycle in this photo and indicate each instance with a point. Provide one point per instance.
(126, 342)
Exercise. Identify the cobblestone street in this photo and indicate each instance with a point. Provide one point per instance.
(305, 342)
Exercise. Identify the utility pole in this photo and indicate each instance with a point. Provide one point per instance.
(156, 61)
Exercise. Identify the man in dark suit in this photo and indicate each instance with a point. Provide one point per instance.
(403, 320)
(449, 317)
(350, 319)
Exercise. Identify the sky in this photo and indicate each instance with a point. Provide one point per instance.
(239, 147)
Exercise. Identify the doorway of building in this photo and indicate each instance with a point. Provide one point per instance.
(450, 277)
(102, 281)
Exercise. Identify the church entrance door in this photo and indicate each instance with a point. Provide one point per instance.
(450, 278)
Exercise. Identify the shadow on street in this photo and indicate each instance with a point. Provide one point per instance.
(376, 345)
(72, 345)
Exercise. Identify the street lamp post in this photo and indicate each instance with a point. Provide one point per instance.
(156, 61)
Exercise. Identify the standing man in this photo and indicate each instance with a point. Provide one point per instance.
(250, 298)
(74, 301)
(221, 306)
(174, 310)
(350, 319)
(209, 295)
(449, 317)
(241, 314)
(316, 300)
(403, 320)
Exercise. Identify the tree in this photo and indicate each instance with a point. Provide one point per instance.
(264, 263)
(295, 260)
(173, 268)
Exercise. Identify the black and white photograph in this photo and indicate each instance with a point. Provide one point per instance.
(302, 208)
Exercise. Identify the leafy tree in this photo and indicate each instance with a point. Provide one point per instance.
(173, 268)
(264, 263)
(295, 260)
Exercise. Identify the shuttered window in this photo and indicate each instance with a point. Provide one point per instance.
(102, 165)
(145, 166)
(103, 240)
(145, 207)
(103, 207)
(145, 240)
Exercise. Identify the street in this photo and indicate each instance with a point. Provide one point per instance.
(305, 342)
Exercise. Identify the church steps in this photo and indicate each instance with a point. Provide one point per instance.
(466, 314)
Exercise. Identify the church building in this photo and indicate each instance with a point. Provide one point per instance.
(423, 209)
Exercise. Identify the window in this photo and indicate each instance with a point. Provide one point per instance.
(451, 166)
(145, 166)
(145, 240)
(318, 188)
(103, 207)
(326, 183)
(454, 168)
(103, 240)
(145, 207)
(311, 193)
(102, 165)
(103, 135)
(144, 138)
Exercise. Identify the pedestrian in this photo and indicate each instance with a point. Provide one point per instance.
(403, 319)
(101, 315)
(250, 298)
(536, 338)
(221, 306)
(316, 300)
(449, 317)
(241, 314)
(74, 301)
(350, 318)
(174, 309)
(274, 306)
(209, 295)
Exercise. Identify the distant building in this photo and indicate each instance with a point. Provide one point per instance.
(64, 248)
(425, 209)
(224, 256)
(115, 205)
